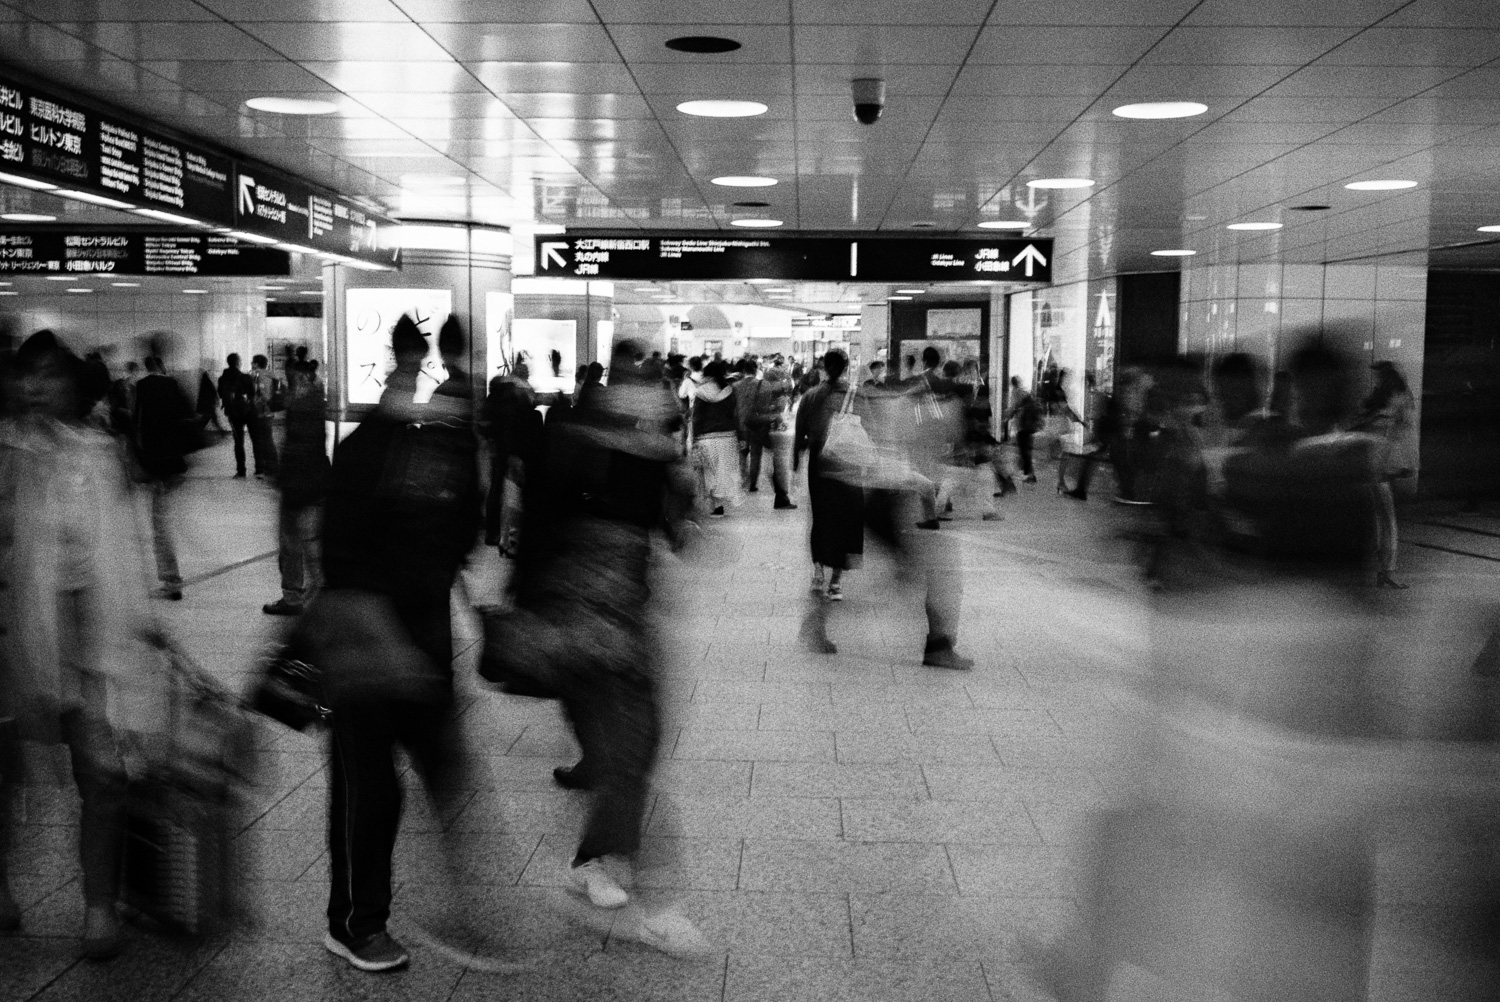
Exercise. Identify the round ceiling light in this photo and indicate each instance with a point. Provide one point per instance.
(755, 224)
(28, 217)
(723, 109)
(1161, 109)
(744, 181)
(1060, 182)
(1253, 226)
(702, 44)
(1178, 252)
(1390, 185)
(291, 106)
(1005, 224)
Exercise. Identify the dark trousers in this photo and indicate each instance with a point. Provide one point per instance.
(238, 428)
(616, 720)
(100, 775)
(263, 445)
(757, 446)
(1023, 443)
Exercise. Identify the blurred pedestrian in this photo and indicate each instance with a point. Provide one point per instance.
(837, 536)
(1024, 409)
(162, 422)
(264, 403)
(1387, 414)
(303, 482)
(715, 452)
(237, 393)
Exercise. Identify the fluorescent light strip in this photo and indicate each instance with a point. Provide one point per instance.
(92, 199)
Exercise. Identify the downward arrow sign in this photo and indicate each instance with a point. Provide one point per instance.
(551, 251)
(1029, 254)
(247, 195)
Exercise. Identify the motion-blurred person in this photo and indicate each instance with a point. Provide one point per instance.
(303, 480)
(162, 421)
(742, 383)
(715, 452)
(509, 410)
(767, 432)
(401, 514)
(237, 393)
(877, 375)
(837, 539)
(208, 403)
(968, 470)
(262, 442)
(1241, 864)
(1387, 413)
(73, 563)
(1027, 414)
(1100, 423)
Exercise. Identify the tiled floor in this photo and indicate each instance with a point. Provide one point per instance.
(848, 827)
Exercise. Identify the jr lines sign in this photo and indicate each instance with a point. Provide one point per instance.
(706, 256)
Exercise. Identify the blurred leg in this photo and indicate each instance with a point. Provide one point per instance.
(364, 809)
(161, 530)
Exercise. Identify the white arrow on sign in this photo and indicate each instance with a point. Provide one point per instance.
(247, 195)
(552, 251)
(1029, 254)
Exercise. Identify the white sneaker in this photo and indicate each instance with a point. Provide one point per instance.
(672, 934)
(595, 881)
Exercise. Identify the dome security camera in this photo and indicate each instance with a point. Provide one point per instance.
(869, 99)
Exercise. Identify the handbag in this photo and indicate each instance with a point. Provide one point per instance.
(852, 457)
(288, 690)
(362, 652)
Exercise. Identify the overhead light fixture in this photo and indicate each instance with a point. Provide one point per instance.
(760, 281)
(92, 199)
(195, 292)
(312, 292)
(895, 299)
(1195, 219)
(78, 290)
(1161, 109)
(291, 106)
(167, 217)
(1005, 224)
(722, 109)
(744, 181)
(61, 278)
(251, 238)
(1253, 226)
(922, 224)
(1179, 252)
(1489, 229)
(270, 288)
(1060, 182)
(646, 288)
(126, 285)
(1390, 185)
(9, 293)
(28, 217)
(294, 248)
(702, 44)
(26, 182)
(755, 224)
(911, 292)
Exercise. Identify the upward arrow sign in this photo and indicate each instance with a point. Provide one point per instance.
(247, 195)
(1029, 254)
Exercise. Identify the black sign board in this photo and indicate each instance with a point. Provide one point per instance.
(702, 257)
(135, 252)
(275, 205)
(78, 148)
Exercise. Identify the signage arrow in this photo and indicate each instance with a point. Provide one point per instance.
(1029, 254)
(247, 194)
(551, 251)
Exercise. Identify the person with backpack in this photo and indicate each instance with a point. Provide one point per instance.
(237, 392)
(1027, 414)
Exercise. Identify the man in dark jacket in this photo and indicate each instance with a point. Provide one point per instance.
(303, 479)
(162, 422)
(237, 392)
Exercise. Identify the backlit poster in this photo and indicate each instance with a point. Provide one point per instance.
(371, 315)
(549, 349)
(499, 313)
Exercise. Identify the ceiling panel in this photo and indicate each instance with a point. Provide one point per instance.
(554, 77)
(1118, 44)
(302, 10)
(882, 44)
(532, 43)
(759, 43)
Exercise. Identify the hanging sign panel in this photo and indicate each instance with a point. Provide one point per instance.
(705, 257)
(134, 252)
(291, 211)
(80, 149)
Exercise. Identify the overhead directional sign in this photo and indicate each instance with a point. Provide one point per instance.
(701, 257)
(293, 212)
(134, 252)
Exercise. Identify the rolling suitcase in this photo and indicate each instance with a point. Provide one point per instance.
(181, 814)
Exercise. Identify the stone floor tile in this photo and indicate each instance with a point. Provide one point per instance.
(800, 779)
(150, 967)
(546, 741)
(272, 854)
(965, 720)
(714, 690)
(903, 926)
(1016, 871)
(843, 866)
(488, 858)
(908, 695)
(1061, 824)
(28, 964)
(714, 716)
(283, 912)
(538, 811)
(1056, 753)
(974, 782)
(699, 864)
(306, 972)
(678, 815)
(772, 979)
(621, 974)
(874, 746)
(776, 925)
(884, 718)
(1004, 821)
(755, 746)
(728, 779)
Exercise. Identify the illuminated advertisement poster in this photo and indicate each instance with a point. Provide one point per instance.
(499, 312)
(956, 324)
(371, 315)
(549, 349)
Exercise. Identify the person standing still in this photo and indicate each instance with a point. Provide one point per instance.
(237, 392)
(262, 444)
(161, 420)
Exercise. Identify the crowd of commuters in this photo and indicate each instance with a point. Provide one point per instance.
(1262, 511)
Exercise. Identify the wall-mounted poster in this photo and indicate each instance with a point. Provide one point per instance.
(549, 349)
(499, 315)
(948, 350)
(372, 313)
(962, 325)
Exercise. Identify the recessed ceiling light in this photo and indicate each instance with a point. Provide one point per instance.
(270, 288)
(922, 224)
(744, 181)
(312, 292)
(1061, 182)
(195, 292)
(252, 238)
(1195, 219)
(646, 288)
(911, 292)
(1308, 208)
(126, 285)
(755, 224)
(1489, 229)
(78, 290)
(167, 217)
(897, 298)
(61, 278)
(1391, 185)
(28, 217)
(1181, 252)
(90, 197)
(702, 44)
(1253, 226)
(1004, 224)
(26, 182)
(1161, 109)
(722, 109)
(291, 106)
(9, 293)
